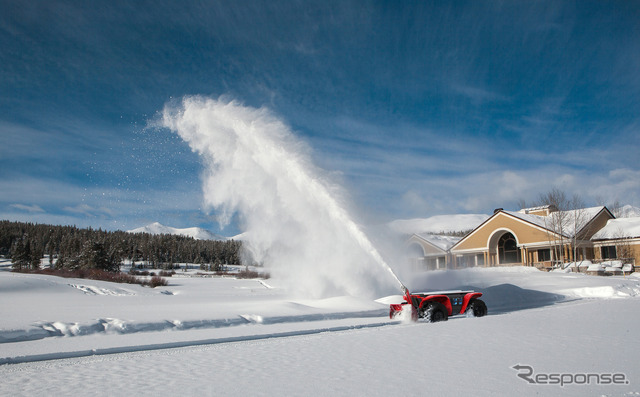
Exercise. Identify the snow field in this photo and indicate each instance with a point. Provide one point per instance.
(553, 322)
(47, 306)
(463, 356)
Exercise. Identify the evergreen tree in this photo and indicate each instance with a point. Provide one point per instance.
(26, 244)
(60, 263)
(93, 256)
(19, 256)
(35, 254)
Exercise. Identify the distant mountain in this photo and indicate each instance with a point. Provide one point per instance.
(195, 232)
(239, 237)
(438, 223)
(628, 211)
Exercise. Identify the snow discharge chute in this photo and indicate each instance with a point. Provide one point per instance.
(294, 217)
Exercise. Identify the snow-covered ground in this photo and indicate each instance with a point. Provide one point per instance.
(223, 336)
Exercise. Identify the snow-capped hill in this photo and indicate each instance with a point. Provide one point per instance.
(438, 223)
(239, 237)
(195, 232)
(628, 211)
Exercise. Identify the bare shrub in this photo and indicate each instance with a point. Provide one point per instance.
(246, 274)
(101, 275)
(138, 272)
(156, 281)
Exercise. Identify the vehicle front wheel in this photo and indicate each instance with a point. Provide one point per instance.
(477, 308)
(434, 312)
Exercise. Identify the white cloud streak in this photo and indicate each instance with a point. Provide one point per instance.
(27, 208)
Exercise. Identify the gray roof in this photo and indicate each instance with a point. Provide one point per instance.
(440, 241)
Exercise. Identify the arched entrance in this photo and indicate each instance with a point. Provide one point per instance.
(508, 251)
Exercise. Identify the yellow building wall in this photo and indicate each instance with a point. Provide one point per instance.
(597, 223)
(636, 253)
(624, 249)
(524, 233)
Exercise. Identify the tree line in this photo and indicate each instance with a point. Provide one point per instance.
(69, 247)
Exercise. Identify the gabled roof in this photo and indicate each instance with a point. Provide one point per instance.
(570, 228)
(585, 217)
(619, 228)
(440, 242)
(533, 220)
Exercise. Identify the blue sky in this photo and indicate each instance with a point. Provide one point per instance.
(419, 108)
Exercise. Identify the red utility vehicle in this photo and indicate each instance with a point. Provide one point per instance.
(438, 306)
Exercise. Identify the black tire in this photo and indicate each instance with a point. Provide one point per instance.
(434, 312)
(477, 308)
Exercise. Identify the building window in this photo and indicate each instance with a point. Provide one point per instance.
(432, 263)
(609, 252)
(508, 250)
(465, 261)
(544, 255)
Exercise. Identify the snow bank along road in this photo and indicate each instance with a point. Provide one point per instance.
(562, 324)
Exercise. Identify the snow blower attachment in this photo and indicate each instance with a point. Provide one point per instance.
(438, 306)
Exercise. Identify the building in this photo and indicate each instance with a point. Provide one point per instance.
(542, 237)
(619, 239)
(430, 251)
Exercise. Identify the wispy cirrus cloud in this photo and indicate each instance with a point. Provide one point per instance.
(87, 210)
(99, 206)
(27, 208)
(478, 95)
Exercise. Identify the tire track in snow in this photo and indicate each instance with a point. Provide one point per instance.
(44, 330)
(181, 344)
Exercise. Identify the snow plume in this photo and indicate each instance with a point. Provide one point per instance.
(294, 220)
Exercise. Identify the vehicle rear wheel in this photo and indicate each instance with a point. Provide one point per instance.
(477, 308)
(434, 312)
